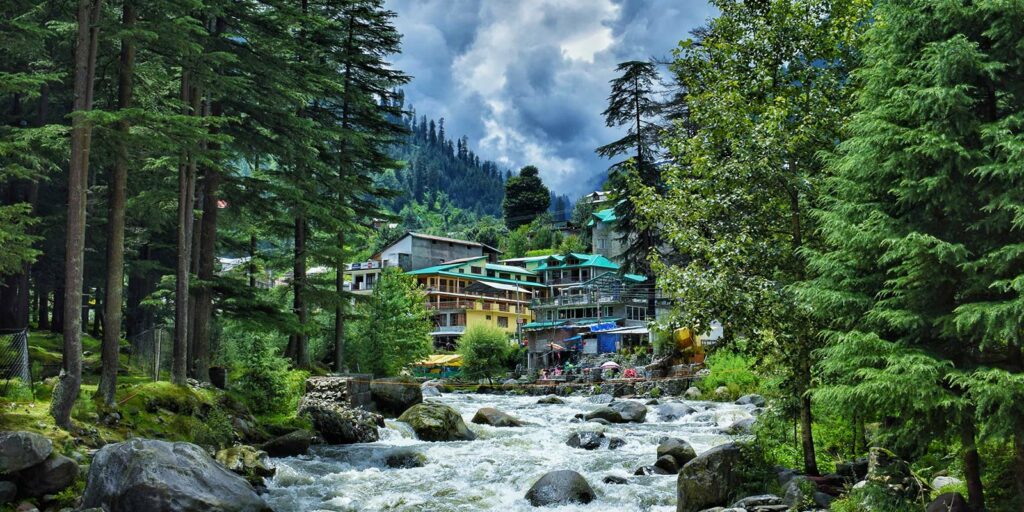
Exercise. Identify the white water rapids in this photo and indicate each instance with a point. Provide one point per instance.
(495, 471)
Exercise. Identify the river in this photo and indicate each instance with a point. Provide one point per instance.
(495, 471)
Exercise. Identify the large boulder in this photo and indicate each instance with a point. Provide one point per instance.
(495, 418)
(740, 427)
(252, 464)
(668, 464)
(673, 410)
(755, 400)
(560, 488)
(393, 396)
(693, 393)
(709, 479)
(158, 476)
(437, 422)
(20, 450)
(625, 411)
(293, 443)
(678, 449)
(405, 459)
(948, 502)
(8, 491)
(586, 440)
(551, 400)
(339, 424)
(50, 476)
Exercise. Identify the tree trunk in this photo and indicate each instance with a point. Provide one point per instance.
(339, 309)
(972, 464)
(807, 436)
(207, 260)
(69, 385)
(115, 219)
(186, 198)
(301, 353)
(43, 295)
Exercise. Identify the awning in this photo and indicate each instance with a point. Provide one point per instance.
(441, 360)
(574, 338)
(604, 327)
(542, 325)
(630, 330)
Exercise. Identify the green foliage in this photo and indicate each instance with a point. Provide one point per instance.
(732, 370)
(655, 392)
(485, 352)
(263, 377)
(393, 326)
(215, 430)
(526, 197)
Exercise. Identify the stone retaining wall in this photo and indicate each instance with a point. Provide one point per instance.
(668, 387)
(352, 389)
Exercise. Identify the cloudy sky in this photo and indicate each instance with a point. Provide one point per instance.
(527, 80)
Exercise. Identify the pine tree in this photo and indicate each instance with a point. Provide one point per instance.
(921, 268)
(632, 103)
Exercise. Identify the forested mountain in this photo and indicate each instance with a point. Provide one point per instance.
(435, 163)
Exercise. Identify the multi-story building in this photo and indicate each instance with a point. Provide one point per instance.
(603, 235)
(472, 291)
(411, 252)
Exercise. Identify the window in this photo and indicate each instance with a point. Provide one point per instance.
(636, 313)
(490, 273)
(475, 270)
(503, 321)
(488, 317)
(462, 271)
(504, 276)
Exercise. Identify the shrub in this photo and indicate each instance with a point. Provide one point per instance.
(263, 383)
(732, 370)
(485, 352)
(215, 430)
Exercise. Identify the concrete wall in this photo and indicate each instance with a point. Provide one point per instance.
(427, 253)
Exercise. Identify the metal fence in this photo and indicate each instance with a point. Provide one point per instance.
(14, 363)
(151, 352)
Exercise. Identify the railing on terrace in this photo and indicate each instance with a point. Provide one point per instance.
(450, 328)
(478, 306)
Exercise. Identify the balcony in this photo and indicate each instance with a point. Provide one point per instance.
(477, 306)
(449, 329)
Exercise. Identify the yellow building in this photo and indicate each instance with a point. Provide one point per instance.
(472, 291)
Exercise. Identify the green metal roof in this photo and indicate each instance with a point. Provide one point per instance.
(592, 321)
(478, 277)
(435, 269)
(586, 260)
(635, 277)
(508, 268)
(606, 215)
(543, 325)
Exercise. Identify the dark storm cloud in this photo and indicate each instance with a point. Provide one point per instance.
(527, 80)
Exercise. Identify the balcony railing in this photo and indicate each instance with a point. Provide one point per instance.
(477, 306)
(455, 329)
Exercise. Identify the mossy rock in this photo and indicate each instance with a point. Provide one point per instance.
(437, 422)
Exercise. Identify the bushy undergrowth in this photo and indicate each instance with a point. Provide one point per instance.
(732, 370)
(263, 376)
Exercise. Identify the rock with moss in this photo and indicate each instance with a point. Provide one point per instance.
(678, 449)
(252, 464)
(50, 476)
(709, 479)
(405, 459)
(495, 418)
(159, 476)
(437, 422)
(339, 424)
(21, 450)
(550, 400)
(625, 411)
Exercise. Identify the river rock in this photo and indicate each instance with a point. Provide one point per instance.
(8, 491)
(430, 392)
(721, 392)
(740, 427)
(709, 479)
(551, 400)
(50, 476)
(948, 502)
(942, 481)
(20, 450)
(673, 411)
(615, 480)
(252, 464)
(405, 459)
(495, 418)
(560, 488)
(650, 470)
(393, 396)
(293, 443)
(586, 440)
(678, 449)
(615, 442)
(755, 400)
(340, 424)
(667, 463)
(761, 500)
(692, 392)
(437, 422)
(625, 411)
(158, 476)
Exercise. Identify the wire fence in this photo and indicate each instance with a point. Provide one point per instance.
(152, 351)
(14, 361)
